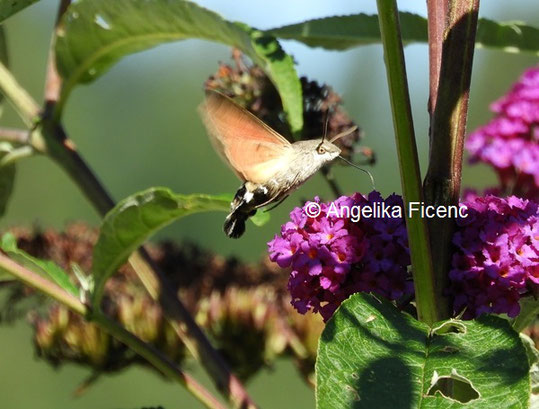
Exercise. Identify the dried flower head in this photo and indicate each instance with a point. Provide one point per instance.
(251, 88)
(230, 298)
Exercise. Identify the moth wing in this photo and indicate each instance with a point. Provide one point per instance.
(253, 150)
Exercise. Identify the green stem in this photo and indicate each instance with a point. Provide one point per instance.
(153, 356)
(43, 285)
(16, 154)
(157, 359)
(18, 97)
(408, 161)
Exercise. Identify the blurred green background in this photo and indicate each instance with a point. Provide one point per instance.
(137, 127)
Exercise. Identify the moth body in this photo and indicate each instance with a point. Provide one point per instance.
(270, 166)
(305, 158)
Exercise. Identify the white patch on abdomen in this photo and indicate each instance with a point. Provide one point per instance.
(248, 196)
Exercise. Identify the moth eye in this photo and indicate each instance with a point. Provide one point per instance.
(321, 150)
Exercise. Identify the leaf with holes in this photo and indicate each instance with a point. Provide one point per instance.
(371, 355)
(98, 33)
(343, 32)
(135, 218)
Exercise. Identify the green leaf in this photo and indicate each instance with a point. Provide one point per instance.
(509, 36)
(7, 177)
(135, 218)
(260, 218)
(343, 32)
(371, 355)
(10, 7)
(98, 33)
(533, 359)
(47, 269)
(529, 310)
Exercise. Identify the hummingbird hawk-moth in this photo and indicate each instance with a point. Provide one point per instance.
(269, 165)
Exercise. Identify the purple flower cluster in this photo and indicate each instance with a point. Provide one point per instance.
(510, 142)
(497, 257)
(332, 256)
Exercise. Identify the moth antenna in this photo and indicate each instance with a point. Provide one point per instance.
(326, 122)
(361, 169)
(344, 133)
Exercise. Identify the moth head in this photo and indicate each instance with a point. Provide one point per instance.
(327, 150)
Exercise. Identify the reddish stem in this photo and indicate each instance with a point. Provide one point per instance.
(450, 70)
